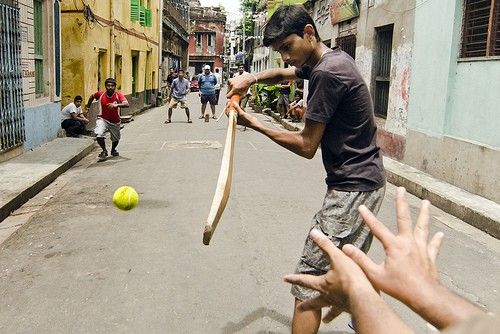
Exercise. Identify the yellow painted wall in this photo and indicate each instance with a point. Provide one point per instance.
(82, 40)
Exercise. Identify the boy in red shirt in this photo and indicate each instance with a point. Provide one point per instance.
(108, 118)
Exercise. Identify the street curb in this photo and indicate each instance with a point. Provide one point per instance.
(25, 195)
(475, 210)
(285, 123)
(472, 209)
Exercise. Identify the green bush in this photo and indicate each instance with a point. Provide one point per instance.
(267, 95)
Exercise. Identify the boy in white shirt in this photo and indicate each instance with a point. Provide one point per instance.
(72, 118)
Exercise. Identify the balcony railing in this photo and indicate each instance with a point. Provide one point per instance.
(170, 11)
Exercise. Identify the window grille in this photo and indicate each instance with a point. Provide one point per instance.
(481, 28)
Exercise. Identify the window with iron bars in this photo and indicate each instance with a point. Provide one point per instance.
(348, 44)
(481, 29)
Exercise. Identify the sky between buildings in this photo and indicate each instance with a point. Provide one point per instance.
(232, 7)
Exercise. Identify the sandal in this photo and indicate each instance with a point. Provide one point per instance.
(168, 121)
(190, 121)
(102, 156)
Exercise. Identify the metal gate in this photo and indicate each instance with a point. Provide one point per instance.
(11, 87)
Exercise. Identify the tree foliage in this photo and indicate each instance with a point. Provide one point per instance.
(248, 8)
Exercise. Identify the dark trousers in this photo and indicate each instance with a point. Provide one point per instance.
(217, 93)
(73, 127)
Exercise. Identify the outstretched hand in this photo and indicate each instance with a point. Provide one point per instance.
(410, 262)
(336, 286)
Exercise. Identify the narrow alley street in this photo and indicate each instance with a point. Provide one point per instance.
(82, 266)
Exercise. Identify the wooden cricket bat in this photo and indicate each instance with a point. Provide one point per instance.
(223, 189)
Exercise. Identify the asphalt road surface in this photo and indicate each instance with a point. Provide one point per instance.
(79, 265)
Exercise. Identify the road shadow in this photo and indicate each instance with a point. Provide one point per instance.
(260, 313)
(109, 161)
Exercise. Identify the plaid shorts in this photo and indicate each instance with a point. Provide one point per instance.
(340, 221)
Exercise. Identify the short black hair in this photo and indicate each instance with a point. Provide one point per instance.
(180, 71)
(78, 98)
(111, 81)
(217, 70)
(288, 20)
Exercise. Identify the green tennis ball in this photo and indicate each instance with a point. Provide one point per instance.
(125, 198)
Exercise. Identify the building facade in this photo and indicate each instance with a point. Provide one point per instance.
(31, 74)
(378, 35)
(111, 38)
(454, 102)
(175, 36)
(433, 80)
(206, 41)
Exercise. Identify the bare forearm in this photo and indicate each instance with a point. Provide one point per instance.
(292, 141)
(441, 307)
(276, 75)
(89, 103)
(372, 315)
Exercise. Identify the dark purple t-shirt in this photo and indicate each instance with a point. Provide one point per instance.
(339, 98)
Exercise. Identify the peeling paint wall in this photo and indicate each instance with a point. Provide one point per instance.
(375, 14)
(364, 61)
(113, 39)
(322, 21)
(397, 112)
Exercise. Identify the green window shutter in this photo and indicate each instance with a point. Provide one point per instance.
(38, 27)
(134, 10)
(149, 21)
(39, 88)
(38, 36)
(142, 15)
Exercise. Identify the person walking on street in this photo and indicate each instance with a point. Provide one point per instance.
(108, 118)
(340, 118)
(207, 82)
(217, 86)
(179, 91)
(72, 118)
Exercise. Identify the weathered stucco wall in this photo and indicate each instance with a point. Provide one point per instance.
(375, 14)
(41, 124)
(465, 164)
(41, 111)
(474, 107)
(115, 39)
(453, 106)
